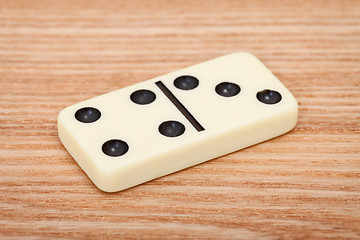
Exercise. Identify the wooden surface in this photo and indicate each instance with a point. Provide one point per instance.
(305, 184)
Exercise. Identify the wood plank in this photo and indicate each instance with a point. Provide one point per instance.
(305, 184)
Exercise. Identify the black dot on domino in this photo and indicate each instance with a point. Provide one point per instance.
(227, 89)
(171, 128)
(186, 82)
(268, 96)
(143, 96)
(115, 148)
(87, 115)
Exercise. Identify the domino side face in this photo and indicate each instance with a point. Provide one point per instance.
(168, 123)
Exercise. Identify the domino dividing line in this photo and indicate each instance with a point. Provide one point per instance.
(180, 106)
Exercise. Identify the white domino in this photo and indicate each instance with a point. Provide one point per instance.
(168, 123)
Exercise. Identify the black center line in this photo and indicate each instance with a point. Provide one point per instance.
(179, 106)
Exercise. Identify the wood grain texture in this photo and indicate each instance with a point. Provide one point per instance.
(303, 185)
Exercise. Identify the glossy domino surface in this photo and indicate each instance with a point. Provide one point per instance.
(168, 123)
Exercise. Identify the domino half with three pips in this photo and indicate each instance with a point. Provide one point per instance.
(168, 123)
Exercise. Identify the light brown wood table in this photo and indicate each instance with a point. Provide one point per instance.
(302, 185)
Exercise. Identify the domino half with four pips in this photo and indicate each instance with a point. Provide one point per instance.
(168, 123)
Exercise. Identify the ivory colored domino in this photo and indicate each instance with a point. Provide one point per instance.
(168, 123)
